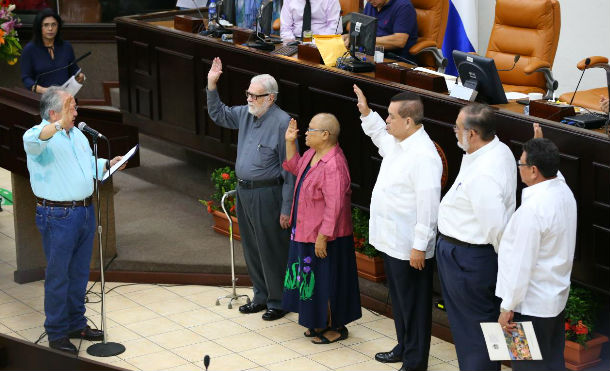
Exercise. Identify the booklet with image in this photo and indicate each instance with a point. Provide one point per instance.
(515, 345)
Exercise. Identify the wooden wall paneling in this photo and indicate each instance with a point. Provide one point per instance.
(123, 67)
(176, 90)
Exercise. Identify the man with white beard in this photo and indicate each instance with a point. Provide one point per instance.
(471, 219)
(264, 188)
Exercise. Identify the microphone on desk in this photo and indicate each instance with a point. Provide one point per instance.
(59, 69)
(391, 55)
(517, 56)
(89, 130)
(587, 63)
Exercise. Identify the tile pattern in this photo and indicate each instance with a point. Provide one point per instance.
(165, 327)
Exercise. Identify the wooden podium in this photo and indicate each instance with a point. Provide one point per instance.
(20, 109)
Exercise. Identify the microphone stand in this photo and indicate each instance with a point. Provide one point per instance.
(105, 348)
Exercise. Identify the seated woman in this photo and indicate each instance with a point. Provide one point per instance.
(47, 52)
(321, 282)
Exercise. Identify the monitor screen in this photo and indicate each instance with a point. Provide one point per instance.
(363, 32)
(480, 74)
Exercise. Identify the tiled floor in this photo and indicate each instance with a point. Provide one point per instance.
(167, 327)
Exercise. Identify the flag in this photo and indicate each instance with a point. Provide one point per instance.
(461, 33)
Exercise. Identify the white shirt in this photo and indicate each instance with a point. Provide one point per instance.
(404, 203)
(324, 18)
(537, 250)
(481, 200)
(191, 4)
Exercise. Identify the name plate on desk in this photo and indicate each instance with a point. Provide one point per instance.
(241, 35)
(550, 111)
(309, 53)
(408, 76)
(188, 23)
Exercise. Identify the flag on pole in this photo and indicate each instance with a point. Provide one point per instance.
(461, 33)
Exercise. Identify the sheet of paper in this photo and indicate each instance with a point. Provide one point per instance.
(116, 166)
(514, 95)
(519, 344)
(72, 86)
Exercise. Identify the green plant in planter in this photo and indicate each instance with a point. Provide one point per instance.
(581, 315)
(224, 180)
(360, 222)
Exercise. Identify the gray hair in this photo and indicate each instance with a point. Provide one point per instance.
(268, 82)
(51, 100)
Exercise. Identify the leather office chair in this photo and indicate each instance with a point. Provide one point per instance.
(529, 28)
(590, 98)
(431, 24)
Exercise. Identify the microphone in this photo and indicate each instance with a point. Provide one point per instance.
(206, 361)
(391, 55)
(89, 130)
(517, 56)
(60, 68)
(587, 63)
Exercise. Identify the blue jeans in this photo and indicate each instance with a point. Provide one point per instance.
(67, 240)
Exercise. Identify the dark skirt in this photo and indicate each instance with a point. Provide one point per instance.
(312, 283)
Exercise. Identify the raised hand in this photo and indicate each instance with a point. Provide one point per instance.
(67, 112)
(214, 73)
(292, 131)
(363, 106)
(537, 130)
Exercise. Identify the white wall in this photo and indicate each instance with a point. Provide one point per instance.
(585, 31)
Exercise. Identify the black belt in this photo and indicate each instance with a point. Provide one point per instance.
(42, 202)
(460, 243)
(252, 184)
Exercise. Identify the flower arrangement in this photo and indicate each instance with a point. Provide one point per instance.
(10, 48)
(360, 222)
(224, 180)
(580, 314)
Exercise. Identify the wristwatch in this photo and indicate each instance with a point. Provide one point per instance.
(58, 125)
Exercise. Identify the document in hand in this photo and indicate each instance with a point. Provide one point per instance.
(516, 345)
(118, 165)
(72, 86)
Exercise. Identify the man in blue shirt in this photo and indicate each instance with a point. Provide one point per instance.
(396, 25)
(62, 168)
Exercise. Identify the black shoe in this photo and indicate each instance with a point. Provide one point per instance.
(388, 357)
(252, 308)
(405, 368)
(272, 314)
(88, 334)
(64, 345)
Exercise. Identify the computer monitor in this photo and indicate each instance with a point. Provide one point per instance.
(363, 33)
(480, 74)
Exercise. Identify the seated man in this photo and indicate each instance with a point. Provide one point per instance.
(396, 25)
(323, 18)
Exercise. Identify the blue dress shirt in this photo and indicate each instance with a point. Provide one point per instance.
(35, 59)
(61, 168)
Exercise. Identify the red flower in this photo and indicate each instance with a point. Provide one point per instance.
(568, 327)
(581, 329)
(225, 176)
(232, 209)
(4, 3)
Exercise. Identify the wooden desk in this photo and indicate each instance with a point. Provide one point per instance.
(163, 75)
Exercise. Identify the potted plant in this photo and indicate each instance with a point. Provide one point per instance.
(224, 180)
(368, 259)
(10, 48)
(582, 347)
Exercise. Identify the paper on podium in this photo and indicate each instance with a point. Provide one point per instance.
(116, 166)
(518, 345)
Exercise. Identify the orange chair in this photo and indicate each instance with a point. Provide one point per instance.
(590, 98)
(529, 28)
(431, 24)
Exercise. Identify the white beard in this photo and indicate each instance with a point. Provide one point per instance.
(465, 144)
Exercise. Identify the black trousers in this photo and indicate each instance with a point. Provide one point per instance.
(264, 242)
(550, 333)
(411, 294)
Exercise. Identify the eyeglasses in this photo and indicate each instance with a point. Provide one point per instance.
(255, 96)
(519, 164)
(312, 129)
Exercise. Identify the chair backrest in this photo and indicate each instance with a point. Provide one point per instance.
(431, 19)
(529, 28)
(349, 6)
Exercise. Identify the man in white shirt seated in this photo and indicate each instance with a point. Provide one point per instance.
(402, 224)
(536, 254)
(322, 18)
(471, 219)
